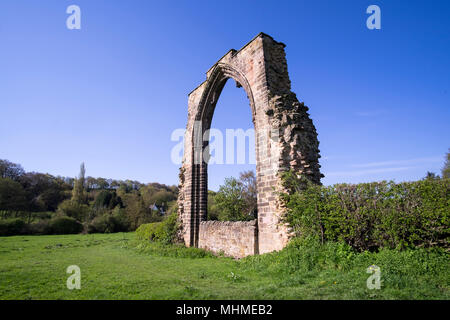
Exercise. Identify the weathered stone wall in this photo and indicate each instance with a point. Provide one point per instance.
(285, 139)
(234, 238)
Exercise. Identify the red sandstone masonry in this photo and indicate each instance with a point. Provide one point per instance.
(286, 139)
(234, 238)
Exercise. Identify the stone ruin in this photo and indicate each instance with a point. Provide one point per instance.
(285, 139)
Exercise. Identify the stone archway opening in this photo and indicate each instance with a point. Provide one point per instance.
(232, 165)
(285, 139)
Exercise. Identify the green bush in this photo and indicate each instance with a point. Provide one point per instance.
(42, 215)
(122, 221)
(107, 223)
(163, 231)
(65, 225)
(102, 224)
(232, 202)
(10, 227)
(304, 255)
(117, 221)
(307, 257)
(18, 226)
(369, 216)
(39, 228)
(74, 210)
(171, 250)
(106, 199)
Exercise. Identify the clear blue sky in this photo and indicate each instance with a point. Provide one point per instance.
(111, 93)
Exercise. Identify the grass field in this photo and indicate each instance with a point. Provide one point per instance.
(112, 267)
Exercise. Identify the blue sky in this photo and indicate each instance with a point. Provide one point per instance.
(112, 93)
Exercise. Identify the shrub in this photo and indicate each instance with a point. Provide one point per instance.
(304, 255)
(73, 209)
(172, 250)
(117, 221)
(10, 227)
(147, 231)
(106, 199)
(102, 224)
(233, 201)
(121, 218)
(42, 215)
(65, 225)
(163, 231)
(307, 257)
(39, 228)
(369, 216)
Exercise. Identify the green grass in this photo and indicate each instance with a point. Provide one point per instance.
(112, 267)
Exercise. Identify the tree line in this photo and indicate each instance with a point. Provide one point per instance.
(95, 204)
(38, 203)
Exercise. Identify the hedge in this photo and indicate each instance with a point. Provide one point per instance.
(116, 221)
(65, 225)
(11, 227)
(163, 231)
(57, 225)
(369, 216)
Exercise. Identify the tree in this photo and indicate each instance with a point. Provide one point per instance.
(431, 176)
(231, 202)
(10, 170)
(162, 198)
(236, 199)
(114, 184)
(76, 210)
(12, 195)
(77, 206)
(123, 188)
(44, 191)
(249, 192)
(107, 199)
(160, 195)
(136, 210)
(213, 210)
(69, 181)
(102, 183)
(79, 193)
(446, 168)
(91, 183)
(50, 199)
(147, 193)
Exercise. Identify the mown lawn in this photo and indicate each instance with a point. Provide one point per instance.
(34, 267)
